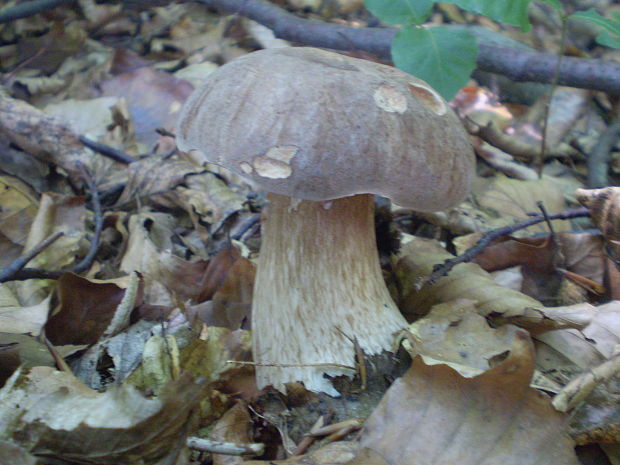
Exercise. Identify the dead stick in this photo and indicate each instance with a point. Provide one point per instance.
(20, 262)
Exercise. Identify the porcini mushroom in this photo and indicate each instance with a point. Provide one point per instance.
(322, 132)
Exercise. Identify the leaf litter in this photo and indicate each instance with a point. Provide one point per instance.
(477, 390)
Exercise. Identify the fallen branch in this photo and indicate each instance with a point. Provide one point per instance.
(226, 448)
(20, 262)
(518, 65)
(25, 9)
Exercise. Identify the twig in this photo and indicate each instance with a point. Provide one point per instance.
(598, 160)
(467, 256)
(25, 9)
(309, 437)
(518, 65)
(293, 365)
(226, 448)
(87, 261)
(110, 152)
(579, 388)
(60, 362)
(540, 162)
(20, 262)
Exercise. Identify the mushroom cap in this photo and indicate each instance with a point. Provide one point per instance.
(317, 125)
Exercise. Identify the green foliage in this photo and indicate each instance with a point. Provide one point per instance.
(430, 54)
(513, 12)
(554, 3)
(610, 28)
(444, 57)
(400, 11)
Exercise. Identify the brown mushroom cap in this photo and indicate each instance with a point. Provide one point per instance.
(317, 125)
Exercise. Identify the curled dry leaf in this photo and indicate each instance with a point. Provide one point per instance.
(469, 281)
(546, 262)
(455, 334)
(500, 201)
(604, 206)
(147, 251)
(433, 415)
(567, 355)
(235, 427)
(52, 414)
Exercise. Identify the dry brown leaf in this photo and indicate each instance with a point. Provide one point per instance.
(604, 206)
(336, 453)
(52, 414)
(500, 201)
(209, 201)
(154, 99)
(19, 206)
(232, 302)
(16, 319)
(433, 415)
(545, 261)
(469, 281)
(235, 426)
(566, 354)
(507, 200)
(455, 334)
(148, 251)
(86, 309)
(153, 176)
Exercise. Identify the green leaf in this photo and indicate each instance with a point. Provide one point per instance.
(400, 11)
(610, 34)
(443, 57)
(555, 4)
(512, 12)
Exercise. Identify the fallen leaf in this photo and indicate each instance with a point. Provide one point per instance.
(86, 309)
(235, 426)
(51, 414)
(469, 281)
(19, 206)
(336, 453)
(455, 334)
(433, 415)
(154, 99)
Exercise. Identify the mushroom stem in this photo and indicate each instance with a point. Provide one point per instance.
(318, 281)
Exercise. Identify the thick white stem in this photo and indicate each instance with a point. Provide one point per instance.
(318, 281)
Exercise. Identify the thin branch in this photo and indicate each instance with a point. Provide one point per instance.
(225, 448)
(467, 256)
(25, 9)
(517, 64)
(87, 261)
(20, 262)
(106, 150)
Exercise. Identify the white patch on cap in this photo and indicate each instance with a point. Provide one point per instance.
(246, 167)
(282, 153)
(389, 99)
(275, 164)
(429, 97)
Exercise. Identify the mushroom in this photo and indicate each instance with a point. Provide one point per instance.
(322, 132)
